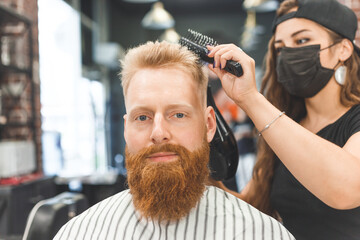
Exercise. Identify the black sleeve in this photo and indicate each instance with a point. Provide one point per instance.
(354, 121)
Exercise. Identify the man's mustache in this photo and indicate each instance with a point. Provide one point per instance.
(154, 149)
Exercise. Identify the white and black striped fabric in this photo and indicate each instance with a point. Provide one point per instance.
(218, 215)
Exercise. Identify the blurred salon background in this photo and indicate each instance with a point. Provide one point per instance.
(61, 102)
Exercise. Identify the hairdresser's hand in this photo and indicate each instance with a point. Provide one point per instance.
(237, 88)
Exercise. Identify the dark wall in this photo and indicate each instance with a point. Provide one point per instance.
(126, 21)
(225, 17)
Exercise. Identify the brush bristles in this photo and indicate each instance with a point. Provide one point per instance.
(197, 42)
(200, 39)
(191, 45)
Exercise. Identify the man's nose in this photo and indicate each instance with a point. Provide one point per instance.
(160, 132)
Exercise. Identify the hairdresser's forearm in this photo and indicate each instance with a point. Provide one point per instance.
(328, 171)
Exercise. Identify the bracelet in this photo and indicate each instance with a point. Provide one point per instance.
(268, 125)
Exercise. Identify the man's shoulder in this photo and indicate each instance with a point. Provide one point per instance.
(245, 218)
(111, 202)
(124, 193)
(120, 196)
(220, 199)
(222, 196)
(97, 215)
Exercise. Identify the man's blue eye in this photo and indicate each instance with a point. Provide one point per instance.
(179, 115)
(142, 118)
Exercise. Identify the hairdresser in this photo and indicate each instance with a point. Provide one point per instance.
(308, 119)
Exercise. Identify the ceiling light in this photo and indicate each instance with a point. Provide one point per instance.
(261, 5)
(158, 18)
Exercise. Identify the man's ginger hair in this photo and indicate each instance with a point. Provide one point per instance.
(158, 55)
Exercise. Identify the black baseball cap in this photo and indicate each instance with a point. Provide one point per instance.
(328, 13)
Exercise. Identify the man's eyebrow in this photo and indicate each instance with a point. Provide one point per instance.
(179, 105)
(140, 108)
(293, 35)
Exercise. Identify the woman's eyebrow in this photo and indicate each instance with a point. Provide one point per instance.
(293, 35)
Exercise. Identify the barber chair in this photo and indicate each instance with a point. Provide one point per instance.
(48, 216)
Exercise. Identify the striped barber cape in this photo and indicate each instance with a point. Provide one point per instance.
(218, 215)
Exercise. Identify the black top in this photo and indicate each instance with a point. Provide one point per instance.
(303, 214)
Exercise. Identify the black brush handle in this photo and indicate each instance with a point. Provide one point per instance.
(234, 68)
(231, 66)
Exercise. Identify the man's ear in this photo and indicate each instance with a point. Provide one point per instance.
(210, 123)
(347, 49)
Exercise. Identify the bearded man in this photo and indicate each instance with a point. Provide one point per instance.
(168, 127)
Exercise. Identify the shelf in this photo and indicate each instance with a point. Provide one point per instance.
(8, 15)
(14, 69)
(16, 64)
(9, 124)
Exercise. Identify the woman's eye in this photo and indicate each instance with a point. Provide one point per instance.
(142, 118)
(278, 50)
(179, 115)
(302, 41)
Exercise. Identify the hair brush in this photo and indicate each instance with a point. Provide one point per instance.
(197, 42)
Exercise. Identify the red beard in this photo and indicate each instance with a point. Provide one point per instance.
(167, 191)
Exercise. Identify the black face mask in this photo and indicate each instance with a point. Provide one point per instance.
(300, 72)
